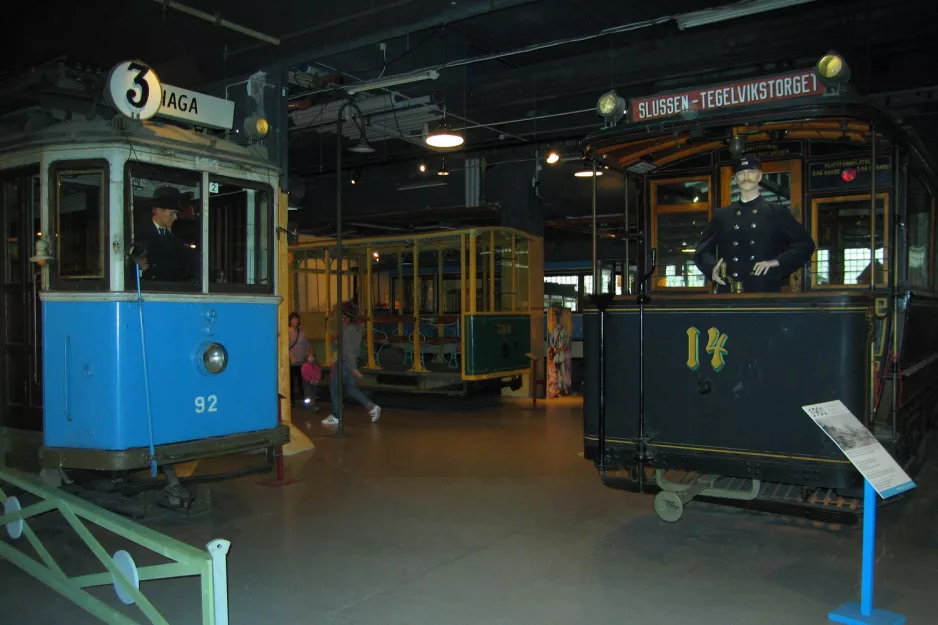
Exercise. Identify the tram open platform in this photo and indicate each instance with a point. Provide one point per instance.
(490, 515)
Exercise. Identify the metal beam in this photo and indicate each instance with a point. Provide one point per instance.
(463, 11)
(218, 20)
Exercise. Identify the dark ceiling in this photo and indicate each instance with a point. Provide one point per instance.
(510, 102)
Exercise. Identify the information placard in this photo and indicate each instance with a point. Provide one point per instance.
(862, 448)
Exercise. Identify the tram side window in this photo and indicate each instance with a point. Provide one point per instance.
(240, 237)
(680, 212)
(843, 241)
(81, 223)
(165, 225)
(920, 226)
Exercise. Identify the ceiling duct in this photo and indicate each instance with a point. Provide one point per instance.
(387, 116)
(384, 104)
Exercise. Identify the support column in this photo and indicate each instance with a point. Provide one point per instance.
(369, 307)
(418, 357)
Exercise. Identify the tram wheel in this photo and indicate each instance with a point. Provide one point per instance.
(668, 506)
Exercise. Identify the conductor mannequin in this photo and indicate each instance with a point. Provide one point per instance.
(752, 241)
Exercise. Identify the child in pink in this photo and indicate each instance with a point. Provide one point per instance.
(311, 374)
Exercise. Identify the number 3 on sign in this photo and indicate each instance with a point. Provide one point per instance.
(203, 404)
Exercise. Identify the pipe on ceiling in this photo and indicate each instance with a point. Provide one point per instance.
(715, 15)
(218, 21)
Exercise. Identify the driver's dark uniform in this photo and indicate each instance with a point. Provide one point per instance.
(745, 233)
(168, 258)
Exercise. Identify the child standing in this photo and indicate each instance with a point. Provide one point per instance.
(311, 374)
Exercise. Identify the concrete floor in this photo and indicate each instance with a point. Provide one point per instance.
(490, 517)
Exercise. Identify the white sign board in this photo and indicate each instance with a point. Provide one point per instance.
(134, 90)
(196, 108)
(862, 448)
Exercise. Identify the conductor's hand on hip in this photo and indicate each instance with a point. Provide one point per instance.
(762, 267)
(717, 271)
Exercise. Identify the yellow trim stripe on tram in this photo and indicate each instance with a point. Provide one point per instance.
(732, 310)
(759, 454)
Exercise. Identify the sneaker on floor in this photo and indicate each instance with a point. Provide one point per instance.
(330, 420)
(375, 413)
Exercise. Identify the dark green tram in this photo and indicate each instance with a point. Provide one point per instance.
(700, 392)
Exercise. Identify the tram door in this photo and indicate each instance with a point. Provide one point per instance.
(21, 315)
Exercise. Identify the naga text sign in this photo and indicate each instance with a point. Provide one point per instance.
(196, 108)
(757, 91)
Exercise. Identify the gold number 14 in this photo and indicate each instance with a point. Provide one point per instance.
(716, 342)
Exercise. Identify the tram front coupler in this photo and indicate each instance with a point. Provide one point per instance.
(177, 496)
(673, 496)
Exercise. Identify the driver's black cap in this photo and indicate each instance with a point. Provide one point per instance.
(747, 162)
(167, 197)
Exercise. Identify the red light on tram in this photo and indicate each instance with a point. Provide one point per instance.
(849, 174)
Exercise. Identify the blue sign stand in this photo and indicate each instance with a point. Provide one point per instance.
(864, 614)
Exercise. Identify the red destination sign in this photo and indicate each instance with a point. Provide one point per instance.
(757, 91)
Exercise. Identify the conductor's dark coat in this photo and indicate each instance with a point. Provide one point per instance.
(745, 233)
(168, 258)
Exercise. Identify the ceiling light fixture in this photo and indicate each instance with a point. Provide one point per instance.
(733, 11)
(393, 81)
(552, 157)
(444, 137)
(587, 173)
(363, 147)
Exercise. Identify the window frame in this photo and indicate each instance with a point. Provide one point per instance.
(237, 288)
(56, 169)
(931, 263)
(691, 207)
(130, 282)
(931, 247)
(884, 279)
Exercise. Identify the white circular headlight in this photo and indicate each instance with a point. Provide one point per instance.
(607, 104)
(214, 358)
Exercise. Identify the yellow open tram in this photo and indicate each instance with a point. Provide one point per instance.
(453, 312)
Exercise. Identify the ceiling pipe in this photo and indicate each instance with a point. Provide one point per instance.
(218, 21)
(714, 15)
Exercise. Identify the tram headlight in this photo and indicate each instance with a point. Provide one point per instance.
(256, 127)
(214, 358)
(832, 71)
(610, 107)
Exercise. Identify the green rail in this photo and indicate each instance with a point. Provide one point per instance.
(209, 565)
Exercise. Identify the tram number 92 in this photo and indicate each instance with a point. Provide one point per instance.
(206, 404)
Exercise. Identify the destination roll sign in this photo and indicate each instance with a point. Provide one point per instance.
(134, 89)
(775, 88)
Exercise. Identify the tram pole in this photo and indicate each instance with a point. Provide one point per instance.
(642, 454)
(626, 273)
(338, 368)
(873, 210)
(596, 289)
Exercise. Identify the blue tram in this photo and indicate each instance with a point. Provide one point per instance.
(701, 387)
(140, 303)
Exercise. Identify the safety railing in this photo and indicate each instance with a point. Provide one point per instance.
(122, 571)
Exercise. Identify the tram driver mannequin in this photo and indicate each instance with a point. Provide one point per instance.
(164, 256)
(752, 240)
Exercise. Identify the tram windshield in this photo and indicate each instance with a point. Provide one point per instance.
(81, 225)
(166, 226)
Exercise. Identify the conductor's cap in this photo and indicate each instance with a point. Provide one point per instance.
(747, 162)
(167, 197)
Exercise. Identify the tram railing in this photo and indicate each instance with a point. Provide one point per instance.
(210, 565)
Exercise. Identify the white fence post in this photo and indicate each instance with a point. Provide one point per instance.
(218, 549)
